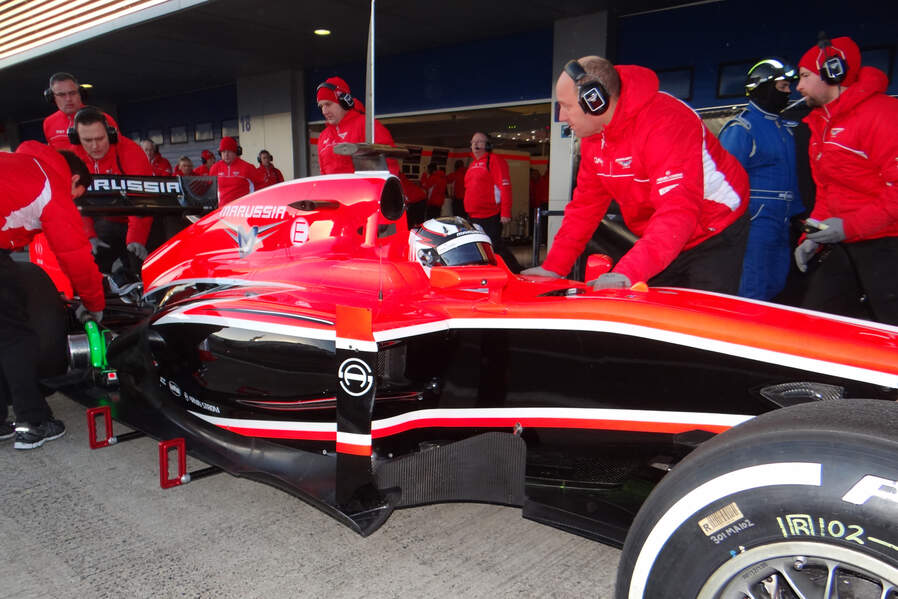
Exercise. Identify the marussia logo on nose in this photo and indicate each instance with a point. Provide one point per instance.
(248, 239)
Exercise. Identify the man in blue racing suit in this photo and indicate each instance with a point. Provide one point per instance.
(764, 143)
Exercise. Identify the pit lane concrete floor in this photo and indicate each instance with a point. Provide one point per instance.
(93, 524)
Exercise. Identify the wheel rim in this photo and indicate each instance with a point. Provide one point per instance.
(802, 570)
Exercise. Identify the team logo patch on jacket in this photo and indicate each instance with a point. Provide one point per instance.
(625, 162)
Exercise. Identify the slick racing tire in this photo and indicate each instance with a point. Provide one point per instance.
(800, 502)
(47, 318)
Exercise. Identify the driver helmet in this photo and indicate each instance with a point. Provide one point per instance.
(449, 241)
(769, 69)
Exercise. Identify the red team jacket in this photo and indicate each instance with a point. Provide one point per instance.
(488, 189)
(56, 127)
(350, 129)
(161, 167)
(457, 178)
(854, 158)
(674, 182)
(35, 195)
(435, 185)
(269, 176)
(123, 158)
(235, 180)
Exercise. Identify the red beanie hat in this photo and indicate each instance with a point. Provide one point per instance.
(328, 89)
(843, 47)
(206, 154)
(227, 143)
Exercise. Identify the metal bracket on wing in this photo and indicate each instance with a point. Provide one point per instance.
(369, 157)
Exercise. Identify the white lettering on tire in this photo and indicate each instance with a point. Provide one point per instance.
(872, 486)
(753, 477)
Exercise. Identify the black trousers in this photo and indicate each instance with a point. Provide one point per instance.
(856, 279)
(19, 350)
(458, 207)
(713, 265)
(113, 233)
(492, 226)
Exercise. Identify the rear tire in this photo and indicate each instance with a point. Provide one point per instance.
(780, 506)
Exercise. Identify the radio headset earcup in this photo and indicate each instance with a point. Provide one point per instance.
(833, 69)
(591, 94)
(259, 157)
(72, 132)
(344, 99)
(489, 144)
(48, 96)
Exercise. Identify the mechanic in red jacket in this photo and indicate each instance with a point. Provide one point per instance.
(345, 118)
(208, 161)
(65, 93)
(161, 167)
(268, 173)
(37, 185)
(488, 195)
(105, 152)
(434, 183)
(678, 189)
(236, 177)
(854, 162)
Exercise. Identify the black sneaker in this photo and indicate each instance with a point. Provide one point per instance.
(6, 431)
(32, 436)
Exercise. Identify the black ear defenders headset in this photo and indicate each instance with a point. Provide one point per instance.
(833, 69)
(72, 133)
(50, 97)
(591, 94)
(259, 156)
(344, 99)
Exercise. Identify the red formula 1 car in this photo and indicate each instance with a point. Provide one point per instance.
(303, 337)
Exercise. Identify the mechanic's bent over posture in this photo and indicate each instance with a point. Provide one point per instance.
(678, 189)
(105, 152)
(37, 185)
(854, 160)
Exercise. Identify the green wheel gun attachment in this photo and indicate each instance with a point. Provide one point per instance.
(97, 341)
